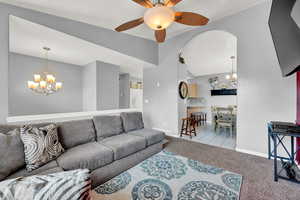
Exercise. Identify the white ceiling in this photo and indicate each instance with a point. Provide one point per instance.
(112, 13)
(210, 52)
(29, 38)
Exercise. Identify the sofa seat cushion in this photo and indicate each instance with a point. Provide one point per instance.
(45, 169)
(124, 145)
(151, 136)
(86, 156)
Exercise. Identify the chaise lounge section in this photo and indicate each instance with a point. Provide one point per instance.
(106, 145)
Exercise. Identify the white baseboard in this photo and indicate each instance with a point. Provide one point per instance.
(255, 153)
(167, 132)
(252, 152)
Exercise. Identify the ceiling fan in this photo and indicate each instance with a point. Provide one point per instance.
(160, 15)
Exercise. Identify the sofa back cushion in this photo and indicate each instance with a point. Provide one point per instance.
(73, 133)
(6, 128)
(132, 121)
(107, 126)
(11, 151)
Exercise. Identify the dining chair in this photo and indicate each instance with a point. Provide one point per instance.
(225, 121)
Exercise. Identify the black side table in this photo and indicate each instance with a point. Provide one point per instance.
(276, 137)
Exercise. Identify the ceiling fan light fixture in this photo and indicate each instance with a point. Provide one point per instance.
(159, 17)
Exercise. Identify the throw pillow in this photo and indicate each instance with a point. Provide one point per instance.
(11, 153)
(41, 145)
(71, 185)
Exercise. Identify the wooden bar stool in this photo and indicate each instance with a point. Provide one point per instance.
(188, 127)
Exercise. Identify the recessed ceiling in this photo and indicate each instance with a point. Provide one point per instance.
(210, 53)
(111, 13)
(29, 38)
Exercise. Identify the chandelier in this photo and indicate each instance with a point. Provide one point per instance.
(233, 75)
(45, 82)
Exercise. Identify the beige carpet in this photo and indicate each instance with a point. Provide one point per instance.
(257, 172)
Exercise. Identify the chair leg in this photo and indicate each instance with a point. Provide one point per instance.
(194, 128)
(190, 131)
(182, 128)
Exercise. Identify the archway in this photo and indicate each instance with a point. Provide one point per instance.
(210, 59)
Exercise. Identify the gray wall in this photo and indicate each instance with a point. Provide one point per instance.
(89, 84)
(263, 94)
(129, 45)
(22, 101)
(101, 86)
(108, 86)
(160, 89)
(182, 103)
(124, 95)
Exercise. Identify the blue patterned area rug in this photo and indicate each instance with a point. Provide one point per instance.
(167, 176)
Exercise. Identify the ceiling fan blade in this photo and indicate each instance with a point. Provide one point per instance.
(171, 3)
(145, 3)
(191, 19)
(130, 25)
(160, 35)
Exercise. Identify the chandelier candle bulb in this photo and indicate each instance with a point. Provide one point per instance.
(58, 85)
(30, 84)
(50, 78)
(37, 77)
(43, 84)
(234, 76)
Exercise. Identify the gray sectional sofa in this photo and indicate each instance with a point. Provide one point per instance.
(106, 145)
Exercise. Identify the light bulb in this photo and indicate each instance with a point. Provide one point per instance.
(159, 17)
(58, 85)
(43, 84)
(234, 75)
(30, 84)
(228, 76)
(37, 77)
(50, 78)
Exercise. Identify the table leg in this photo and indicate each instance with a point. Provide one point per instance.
(275, 158)
(293, 149)
(269, 145)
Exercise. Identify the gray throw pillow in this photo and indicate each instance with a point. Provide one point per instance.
(71, 185)
(41, 145)
(11, 153)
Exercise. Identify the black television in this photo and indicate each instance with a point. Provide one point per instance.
(286, 34)
(223, 92)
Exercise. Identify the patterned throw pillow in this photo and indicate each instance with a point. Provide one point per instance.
(41, 145)
(71, 185)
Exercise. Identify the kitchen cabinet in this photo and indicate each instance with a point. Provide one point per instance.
(193, 90)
